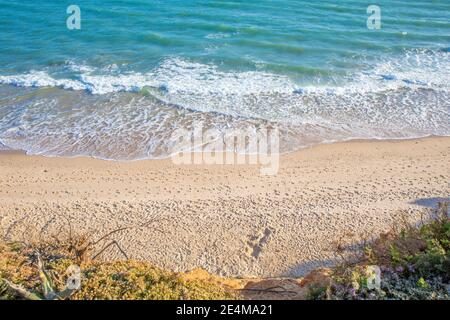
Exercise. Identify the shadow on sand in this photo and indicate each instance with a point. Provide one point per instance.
(430, 202)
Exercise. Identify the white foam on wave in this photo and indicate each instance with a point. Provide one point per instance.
(420, 68)
(413, 69)
(174, 75)
(41, 79)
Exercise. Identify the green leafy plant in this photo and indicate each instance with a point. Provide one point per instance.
(414, 264)
(8, 289)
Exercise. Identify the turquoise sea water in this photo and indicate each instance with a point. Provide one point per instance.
(139, 69)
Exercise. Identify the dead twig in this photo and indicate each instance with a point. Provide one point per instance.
(114, 242)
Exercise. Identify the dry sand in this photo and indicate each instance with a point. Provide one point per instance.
(229, 220)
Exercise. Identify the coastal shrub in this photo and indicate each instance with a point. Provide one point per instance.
(414, 264)
(128, 279)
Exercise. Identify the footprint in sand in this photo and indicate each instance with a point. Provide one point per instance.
(257, 243)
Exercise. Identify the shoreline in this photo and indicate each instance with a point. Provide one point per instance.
(227, 219)
(168, 158)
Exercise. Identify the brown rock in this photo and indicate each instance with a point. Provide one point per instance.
(319, 278)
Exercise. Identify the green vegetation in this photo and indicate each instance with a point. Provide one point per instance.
(22, 276)
(414, 264)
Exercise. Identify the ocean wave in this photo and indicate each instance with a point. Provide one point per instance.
(206, 88)
(420, 68)
(102, 116)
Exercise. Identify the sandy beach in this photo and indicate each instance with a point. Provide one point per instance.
(229, 220)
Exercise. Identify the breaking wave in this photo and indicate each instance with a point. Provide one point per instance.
(110, 113)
